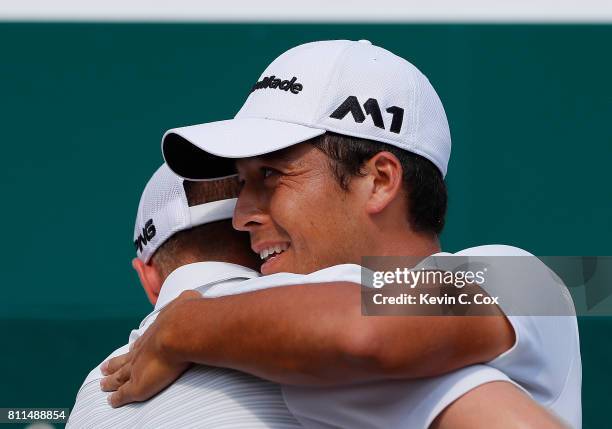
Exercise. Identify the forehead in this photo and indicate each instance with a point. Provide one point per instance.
(297, 154)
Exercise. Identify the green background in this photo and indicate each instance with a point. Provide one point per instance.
(84, 107)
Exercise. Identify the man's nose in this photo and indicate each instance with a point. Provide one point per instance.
(250, 210)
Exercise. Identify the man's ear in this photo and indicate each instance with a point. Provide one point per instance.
(149, 278)
(386, 181)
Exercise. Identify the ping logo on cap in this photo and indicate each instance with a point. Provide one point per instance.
(148, 232)
(275, 83)
(351, 104)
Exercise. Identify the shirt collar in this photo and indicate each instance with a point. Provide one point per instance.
(192, 276)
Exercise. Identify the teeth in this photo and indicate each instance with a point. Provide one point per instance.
(279, 248)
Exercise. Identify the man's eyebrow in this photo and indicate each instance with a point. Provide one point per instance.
(286, 156)
(282, 155)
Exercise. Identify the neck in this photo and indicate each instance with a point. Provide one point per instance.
(403, 242)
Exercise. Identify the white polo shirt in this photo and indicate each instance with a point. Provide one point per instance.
(401, 403)
(544, 361)
(203, 396)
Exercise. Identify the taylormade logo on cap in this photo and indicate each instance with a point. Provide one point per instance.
(350, 88)
(274, 82)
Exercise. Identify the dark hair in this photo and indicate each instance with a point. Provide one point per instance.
(423, 182)
(211, 190)
(216, 241)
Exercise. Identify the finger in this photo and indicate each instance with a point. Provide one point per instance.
(114, 364)
(116, 380)
(135, 345)
(122, 396)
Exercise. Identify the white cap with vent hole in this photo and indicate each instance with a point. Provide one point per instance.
(164, 210)
(351, 88)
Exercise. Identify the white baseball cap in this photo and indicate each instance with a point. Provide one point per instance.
(164, 210)
(351, 88)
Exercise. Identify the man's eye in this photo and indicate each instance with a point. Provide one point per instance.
(267, 172)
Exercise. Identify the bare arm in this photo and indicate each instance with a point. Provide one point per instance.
(316, 334)
(304, 335)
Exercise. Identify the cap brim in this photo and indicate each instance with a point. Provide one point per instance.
(212, 212)
(207, 151)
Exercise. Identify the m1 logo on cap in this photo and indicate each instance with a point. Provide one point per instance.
(371, 107)
(148, 232)
(275, 83)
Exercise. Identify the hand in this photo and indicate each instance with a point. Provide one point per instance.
(149, 366)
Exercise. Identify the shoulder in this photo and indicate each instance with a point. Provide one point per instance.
(494, 250)
(96, 373)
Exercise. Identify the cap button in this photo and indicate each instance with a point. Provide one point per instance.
(365, 42)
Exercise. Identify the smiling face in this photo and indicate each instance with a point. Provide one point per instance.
(298, 217)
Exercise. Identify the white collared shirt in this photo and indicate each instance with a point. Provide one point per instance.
(222, 398)
(544, 361)
(203, 397)
(548, 375)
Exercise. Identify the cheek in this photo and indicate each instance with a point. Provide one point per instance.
(303, 212)
(287, 207)
(342, 223)
(290, 216)
(329, 215)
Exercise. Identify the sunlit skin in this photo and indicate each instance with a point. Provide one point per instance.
(292, 198)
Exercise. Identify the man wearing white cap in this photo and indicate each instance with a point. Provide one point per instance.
(342, 148)
(180, 224)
